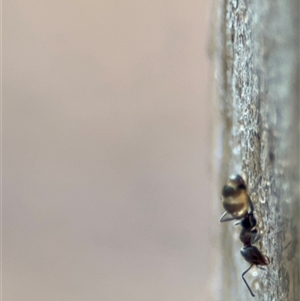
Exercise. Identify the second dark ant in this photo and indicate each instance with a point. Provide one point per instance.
(237, 203)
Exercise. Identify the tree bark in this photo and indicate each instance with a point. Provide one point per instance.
(256, 56)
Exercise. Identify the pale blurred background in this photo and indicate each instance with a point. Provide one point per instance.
(107, 150)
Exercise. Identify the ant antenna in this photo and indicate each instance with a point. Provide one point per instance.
(246, 281)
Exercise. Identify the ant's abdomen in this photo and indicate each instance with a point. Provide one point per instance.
(237, 204)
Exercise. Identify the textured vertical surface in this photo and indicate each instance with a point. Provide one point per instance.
(257, 79)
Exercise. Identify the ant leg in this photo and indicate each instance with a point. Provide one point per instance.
(246, 281)
(222, 220)
(261, 268)
(256, 238)
(267, 259)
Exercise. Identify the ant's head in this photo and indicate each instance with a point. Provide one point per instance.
(254, 256)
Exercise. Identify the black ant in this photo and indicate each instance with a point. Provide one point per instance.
(238, 204)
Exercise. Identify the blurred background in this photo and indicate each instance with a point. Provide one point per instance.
(107, 152)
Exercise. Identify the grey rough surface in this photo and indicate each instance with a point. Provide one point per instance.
(257, 77)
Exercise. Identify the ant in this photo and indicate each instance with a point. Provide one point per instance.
(238, 204)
